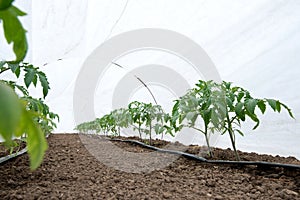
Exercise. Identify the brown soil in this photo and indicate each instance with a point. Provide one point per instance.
(69, 171)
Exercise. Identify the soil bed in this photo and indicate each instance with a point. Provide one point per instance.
(69, 171)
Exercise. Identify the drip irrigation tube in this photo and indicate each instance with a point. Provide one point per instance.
(21, 152)
(201, 159)
(8, 157)
(187, 155)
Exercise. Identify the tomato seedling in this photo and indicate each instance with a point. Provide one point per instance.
(241, 105)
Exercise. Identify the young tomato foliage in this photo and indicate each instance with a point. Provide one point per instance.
(33, 123)
(202, 108)
(139, 116)
(35, 117)
(241, 105)
(137, 112)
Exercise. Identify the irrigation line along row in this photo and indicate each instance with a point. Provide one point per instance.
(187, 155)
(13, 155)
(201, 159)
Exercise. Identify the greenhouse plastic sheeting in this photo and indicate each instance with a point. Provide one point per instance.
(254, 44)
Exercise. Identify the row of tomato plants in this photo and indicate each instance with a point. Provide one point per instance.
(207, 108)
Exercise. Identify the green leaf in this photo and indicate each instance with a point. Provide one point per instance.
(2, 63)
(14, 31)
(257, 124)
(288, 109)
(229, 103)
(216, 119)
(34, 81)
(36, 142)
(239, 131)
(190, 115)
(207, 116)
(278, 107)
(234, 89)
(239, 110)
(240, 96)
(10, 112)
(272, 103)
(254, 118)
(4, 4)
(29, 76)
(262, 106)
(250, 105)
(13, 66)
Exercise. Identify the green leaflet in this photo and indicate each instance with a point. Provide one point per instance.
(262, 106)
(272, 103)
(15, 120)
(4, 4)
(10, 112)
(29, 76)
(36, 142)
(288, 109)
(278, 106)
(44, 83)
(14, 31)
(239, 110)
(250, 105)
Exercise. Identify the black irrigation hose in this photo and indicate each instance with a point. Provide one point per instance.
(201, 159)
(187, 155)
(13, 155)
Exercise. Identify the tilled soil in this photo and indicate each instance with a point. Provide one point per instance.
(84, 167)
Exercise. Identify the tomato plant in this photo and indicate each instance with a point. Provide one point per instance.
(21, 115)
(241, 105)
(154, 117)
(121, 119)
(208, 107)
(202, 108)
(140, 116)
(31, 118)
(136, 110)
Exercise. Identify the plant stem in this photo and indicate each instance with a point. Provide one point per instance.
(206, 138)
(3, 70)
(150, 128)
(207, 142)
(230, 131)
(162, 134)
(140, 131)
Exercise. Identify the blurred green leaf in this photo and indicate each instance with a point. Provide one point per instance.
(14, 31)
(36, 142)
(4, 4)
(10, 112)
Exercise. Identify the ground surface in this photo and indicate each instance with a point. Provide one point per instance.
(70, 171)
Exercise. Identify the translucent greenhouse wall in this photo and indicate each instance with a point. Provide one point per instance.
(254, 44)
